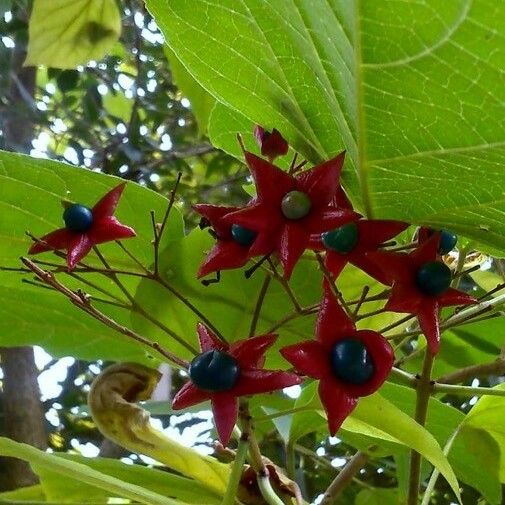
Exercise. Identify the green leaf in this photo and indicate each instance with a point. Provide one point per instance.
(166, 484)
(82, 473)
(377, 417)
(470, 344)
(201, 101)
(475, 448)
(465, 454)
(68, 33)
(419, 129)
(487, 415)
(31, 191)
(24, 494)
(377, 496)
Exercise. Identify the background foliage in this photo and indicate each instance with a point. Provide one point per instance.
(413, 91)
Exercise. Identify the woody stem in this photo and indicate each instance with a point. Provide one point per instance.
(424, 389)
(255, 457)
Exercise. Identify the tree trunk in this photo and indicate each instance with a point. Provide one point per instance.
(23, 414)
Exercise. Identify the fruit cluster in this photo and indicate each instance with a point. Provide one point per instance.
(293, 211)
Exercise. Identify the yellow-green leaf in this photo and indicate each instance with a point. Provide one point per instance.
(488, 415)
(82, 473)
(68, 33)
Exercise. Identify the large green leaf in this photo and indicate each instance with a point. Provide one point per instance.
(412, 90)
(166, 484)
(68, 33)
(470, 344)
(31, 191)
(465, 454)
(487, 415)
(202, 102)
(82, 473)
(377, 417)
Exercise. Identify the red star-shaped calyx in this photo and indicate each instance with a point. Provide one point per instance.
(351, 242)
(86, 228)
(222, 373)
(271, 144)
(233, 242)
(289, 208)
(348, 363)
(421, 286)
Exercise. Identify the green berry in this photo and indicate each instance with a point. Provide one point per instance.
(351, 362)
(214, 371)
(242, 236)
(296, 205)
(78, 218)
(343, 239)
(433, 278)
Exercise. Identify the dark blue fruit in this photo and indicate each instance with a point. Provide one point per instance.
(78, 218)
(343, 239)
(214, 371)
(351, 362)
(242, 236)
(433, 278)
(448, 241)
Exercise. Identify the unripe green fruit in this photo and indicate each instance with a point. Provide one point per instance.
(343, 239)
(296, 205)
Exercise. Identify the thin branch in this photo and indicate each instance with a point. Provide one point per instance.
(138, 308)
(496, 367)
(451, 389)
(305, 311)
(259, 305)
(424, 389)
(360, 301)
(236, 471)
(344, 478)
(132, 256)
(255, 458)
(189, 305)
(81, 301)
(331, 283)
(158, 231)
(285, 284)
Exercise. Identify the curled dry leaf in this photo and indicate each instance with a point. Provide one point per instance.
(112, 405)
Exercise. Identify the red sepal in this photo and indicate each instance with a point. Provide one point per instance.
(277, 234)
(105, 228)
(226, 253)
(400, 270)
(371, 235)
(249, 354)
(313, 359)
